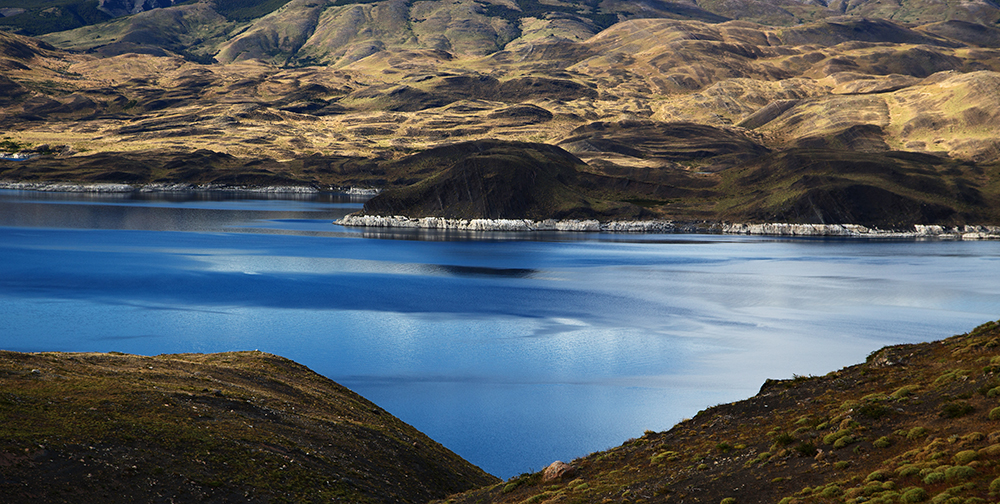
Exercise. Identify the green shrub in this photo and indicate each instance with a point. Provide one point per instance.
(915, 494)
(992, 450)
(659, 458)
(806, 449)
(882, 442)
(965, 456)
(784, 439)
(916, 433)
(995, 414)
(877, 476)
(874, 411)
(724, 447)
(844, 441)
(842, 464)
(993, 392)
(904, 391)
(951, 376)
(831, 491)
(995, 486)
(934, 477)
(956, 409)
(832, 438)
(960, 472)
(728, 500)
(908, 470)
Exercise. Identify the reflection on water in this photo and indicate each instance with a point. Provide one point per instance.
(511, 349)
(174, 211)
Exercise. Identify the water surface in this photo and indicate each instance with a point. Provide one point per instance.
(513, 350)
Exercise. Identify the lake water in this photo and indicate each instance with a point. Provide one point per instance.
(513, 350)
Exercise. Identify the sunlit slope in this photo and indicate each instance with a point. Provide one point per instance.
(662, 108)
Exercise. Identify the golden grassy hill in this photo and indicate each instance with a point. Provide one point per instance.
(670, 113)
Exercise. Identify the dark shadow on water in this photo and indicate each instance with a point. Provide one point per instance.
(480, 271)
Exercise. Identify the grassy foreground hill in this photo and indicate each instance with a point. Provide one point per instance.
(914, 423)
(228, 427)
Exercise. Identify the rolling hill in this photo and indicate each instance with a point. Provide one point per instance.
(673, 106)
(228, 427)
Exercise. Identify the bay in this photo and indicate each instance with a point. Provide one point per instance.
(513, 350)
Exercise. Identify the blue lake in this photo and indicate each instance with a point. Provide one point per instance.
(513, 350)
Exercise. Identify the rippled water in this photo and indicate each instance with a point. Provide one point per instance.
(513, 350)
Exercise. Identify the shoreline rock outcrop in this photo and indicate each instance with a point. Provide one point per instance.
(668, 227)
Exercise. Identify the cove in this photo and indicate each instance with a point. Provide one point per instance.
(512, 349)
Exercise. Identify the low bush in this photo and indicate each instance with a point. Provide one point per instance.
(877, 476)
(784, 439)
(934, 477)
(956, 409)
(912, 495)
(960, 472)
(806, 449)
(995, 414)
(882, 442)
(831, 491)
(832, 438)
(916, 433)
(965, 456)
(845, 441)
(874, 411)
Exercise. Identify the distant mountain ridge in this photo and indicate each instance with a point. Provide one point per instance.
(842, 120)
(119, 8)
(338, 32)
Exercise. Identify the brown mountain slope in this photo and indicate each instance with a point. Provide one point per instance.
(915, 423)
(661, 109)
(497, 180)
(230, 427)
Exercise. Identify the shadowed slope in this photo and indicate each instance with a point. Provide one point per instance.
(888, 190)
(495, 180)
(230, 427)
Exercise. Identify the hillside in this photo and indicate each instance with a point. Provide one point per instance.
(229, 427)
(496, 180)
(914, 423)
(682, 114)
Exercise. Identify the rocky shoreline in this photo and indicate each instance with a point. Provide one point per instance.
(176, 187)
(662, 226)
(527, 225)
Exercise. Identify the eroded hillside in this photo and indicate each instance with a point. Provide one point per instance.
(673, 112)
